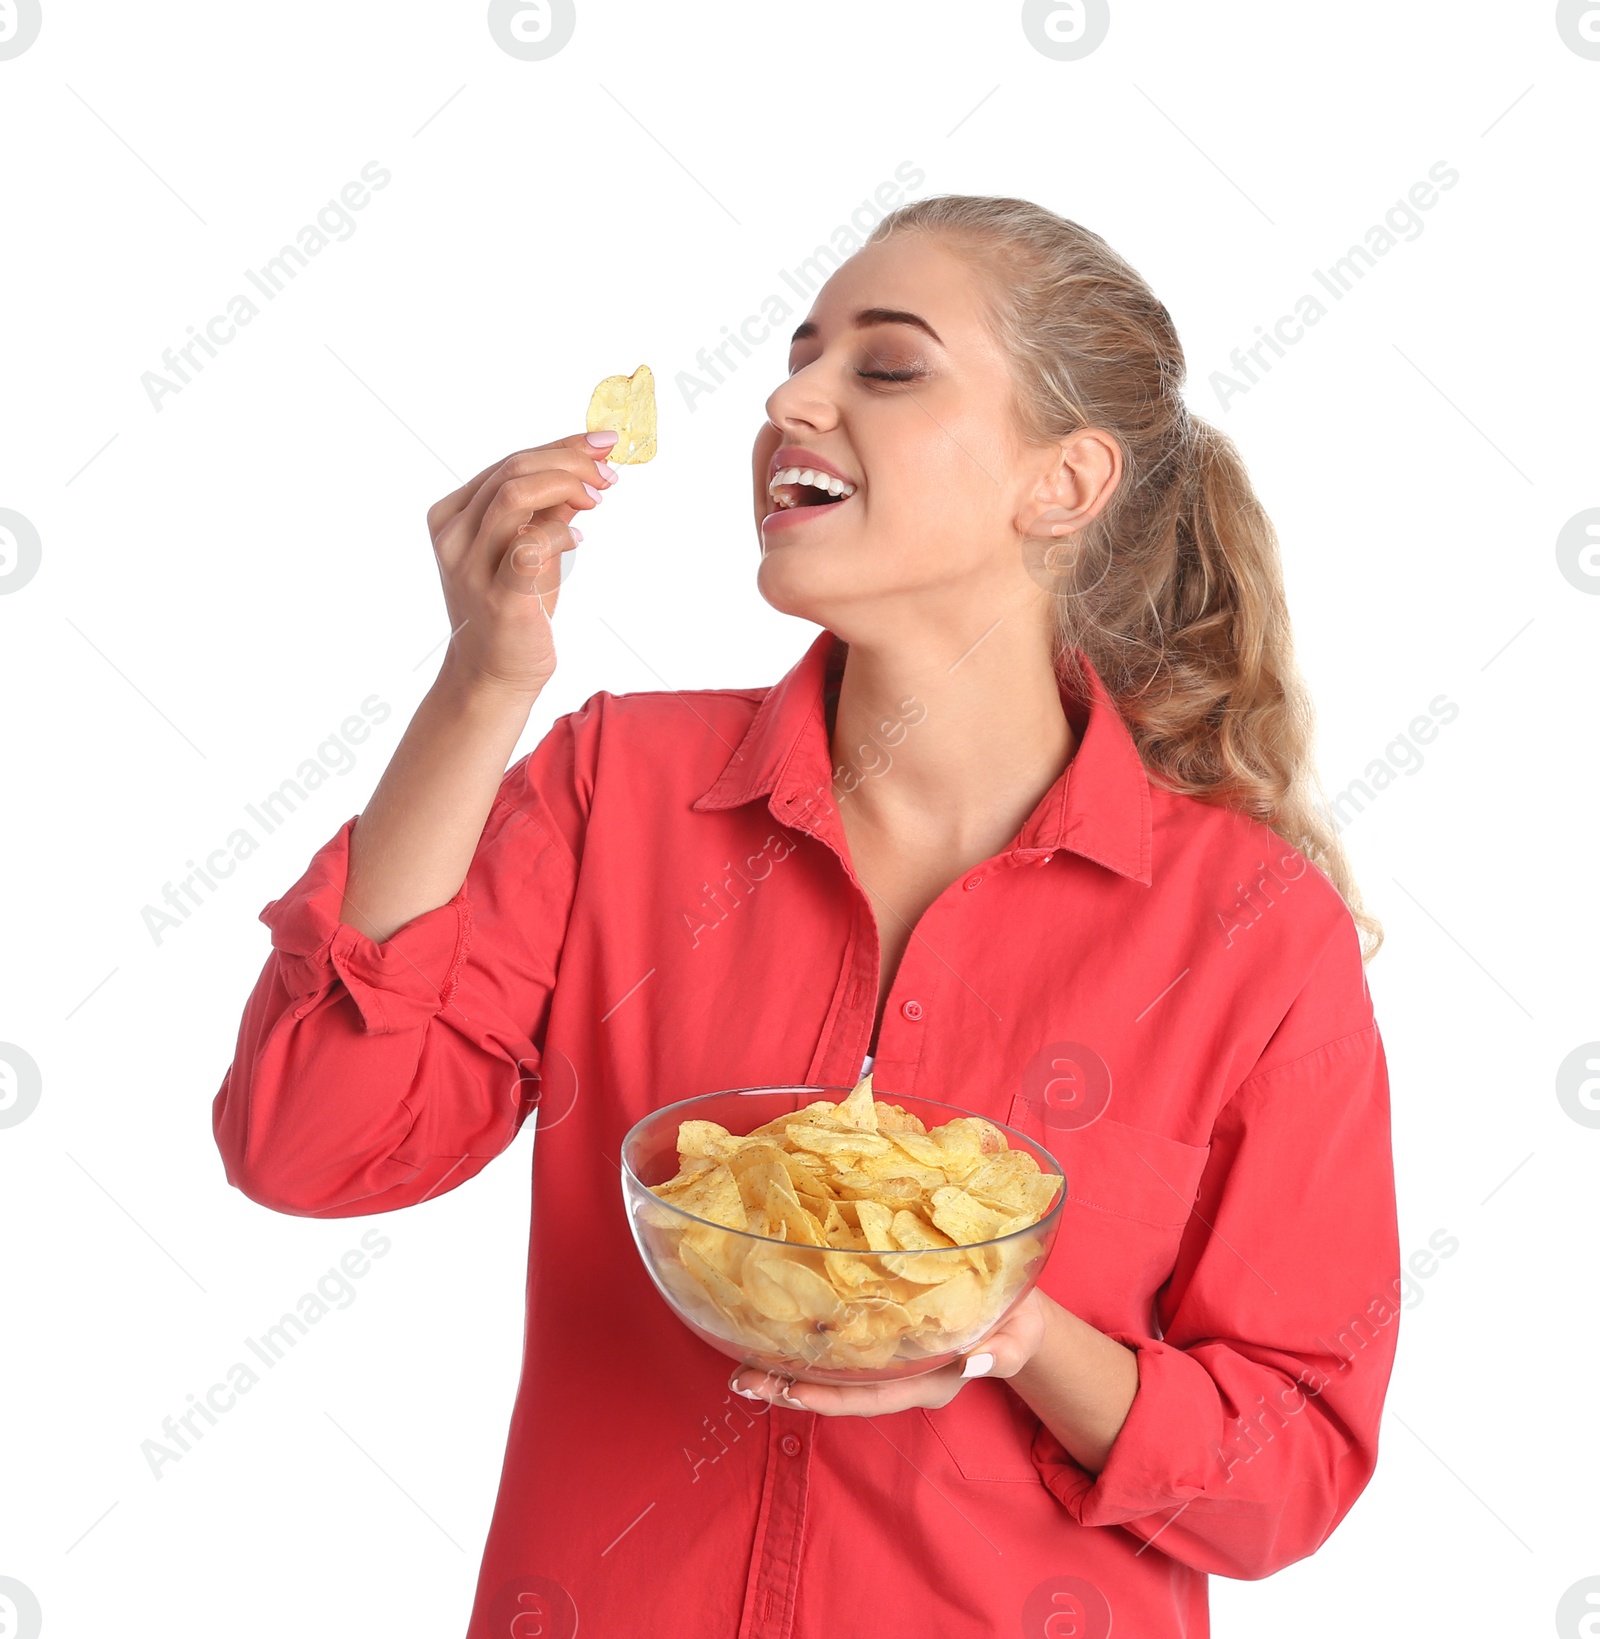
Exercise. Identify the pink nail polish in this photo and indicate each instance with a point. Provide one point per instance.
(601, 440)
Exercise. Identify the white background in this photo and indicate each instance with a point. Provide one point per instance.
(223, 581)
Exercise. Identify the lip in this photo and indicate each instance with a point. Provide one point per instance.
(788, 517)
(792, 455)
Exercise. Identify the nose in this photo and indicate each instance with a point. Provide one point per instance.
(799, 402)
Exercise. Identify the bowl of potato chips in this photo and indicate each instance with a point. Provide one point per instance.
(838, 1240)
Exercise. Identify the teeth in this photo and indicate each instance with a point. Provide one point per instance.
(807, 475)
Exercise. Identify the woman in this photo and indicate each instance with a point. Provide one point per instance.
(1027, 829)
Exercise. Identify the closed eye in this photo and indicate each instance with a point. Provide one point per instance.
(890, 375)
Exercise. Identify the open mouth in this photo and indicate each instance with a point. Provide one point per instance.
(802, 495)
(795, 488)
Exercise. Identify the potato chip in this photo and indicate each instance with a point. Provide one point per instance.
(626, 405)
(836, 1231)
(725, 1253)
(756, 1166)
(953, 1304)
(764, 1291)
(963, 1218)
(849, 1274)
(875, 1220)
(858, 1111)
(893, 1119)
(851, 1145)
(726, 1292)
(916, 1236)
(783, 1206)
(960, 1149)
(818, 1114)
(688, 1170)
(892, 1193)
(714, 1196)
(705, 1141)
(925, 1151)
(815, 1193)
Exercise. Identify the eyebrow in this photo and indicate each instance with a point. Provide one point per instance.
(869, 316)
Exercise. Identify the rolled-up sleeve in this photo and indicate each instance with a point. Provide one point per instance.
(1255, 1424)
(370, 1076)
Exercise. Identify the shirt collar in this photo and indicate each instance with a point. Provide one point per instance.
(1099, 807)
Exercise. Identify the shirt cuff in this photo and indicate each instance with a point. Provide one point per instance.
(397, 985)
(1147, 1470)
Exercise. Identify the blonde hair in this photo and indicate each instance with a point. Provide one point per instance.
(1176, 589)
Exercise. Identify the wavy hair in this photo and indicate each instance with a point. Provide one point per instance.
(1175, 590)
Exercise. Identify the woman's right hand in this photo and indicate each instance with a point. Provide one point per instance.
(498, 541)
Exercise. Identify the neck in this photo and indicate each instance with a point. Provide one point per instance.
(947, 741)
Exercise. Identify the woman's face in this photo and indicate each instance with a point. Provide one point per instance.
(896, 384)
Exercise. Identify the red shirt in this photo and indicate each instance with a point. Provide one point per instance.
(661, 905)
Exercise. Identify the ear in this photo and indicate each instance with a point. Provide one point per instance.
(1076, 488)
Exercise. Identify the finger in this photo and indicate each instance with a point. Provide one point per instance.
(573, 452)
(532, 563)
(777, 1388)
(518, 499)
(755, 1384)
(844, 1400)
(1003, 1353)
(444, 509)
(520, 469)
(515, 502)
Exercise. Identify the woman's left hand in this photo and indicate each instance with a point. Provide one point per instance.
(1003, 1353)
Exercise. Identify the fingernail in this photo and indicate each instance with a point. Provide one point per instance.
(594, 494)
(576, 534)
(608, 472)
(977, 1365)
(602, 440)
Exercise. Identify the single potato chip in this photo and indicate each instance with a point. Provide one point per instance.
(953, 1304)
(714, 1196)
(875, 1221)
(893, 1119)
(688, 1170)
(964, 1218)
(914, 1235)
(926, 1151)
(706, 1141)
(858, 1111)
(845, 1144)
(626, 405)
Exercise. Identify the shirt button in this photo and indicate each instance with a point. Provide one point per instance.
(912, 1010)
(791, 1445)
(972, 881)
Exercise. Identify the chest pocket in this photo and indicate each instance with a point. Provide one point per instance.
(1126, 1172)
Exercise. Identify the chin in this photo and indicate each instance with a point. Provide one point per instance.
(809, 591)
(789, 593)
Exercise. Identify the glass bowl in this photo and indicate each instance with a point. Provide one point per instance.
(823, 1314)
